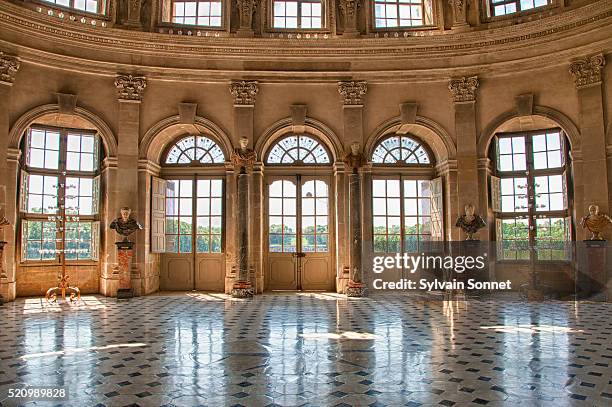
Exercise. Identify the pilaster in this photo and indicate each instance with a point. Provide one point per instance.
(587, 74)
(9, 167)
(130, 90)
(348, 10)
(463, 94)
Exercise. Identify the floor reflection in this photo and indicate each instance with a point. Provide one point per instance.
(318, 349)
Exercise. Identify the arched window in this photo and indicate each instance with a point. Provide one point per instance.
(406, 205)
(400, 150)
(90, 6)
(195, 149)
(529, 195)
(402, 13)
(60, 194)
(298, 150)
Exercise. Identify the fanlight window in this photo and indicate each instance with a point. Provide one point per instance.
(400, 150)
(195, 149)
(298, 150)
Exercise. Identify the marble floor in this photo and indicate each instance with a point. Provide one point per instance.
(313, 349)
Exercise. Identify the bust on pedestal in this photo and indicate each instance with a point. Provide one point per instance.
(470, 223)
(592, 280)
(595, 222)
(125, 226)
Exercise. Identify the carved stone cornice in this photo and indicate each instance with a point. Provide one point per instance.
(353, 91)
(244, 92)
(130, 87)
(9, 65)
(587, 71)
(463, 89)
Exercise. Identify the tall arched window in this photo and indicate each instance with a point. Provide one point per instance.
(194, 201)
(530, 195)
(407, 201)
(402, 13)
(299, 202)
(60, 194)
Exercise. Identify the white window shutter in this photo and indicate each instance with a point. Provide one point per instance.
(95, 241)
(24, 187)
(495, 193)
(158, 215)
(95, 205)
(437, 210)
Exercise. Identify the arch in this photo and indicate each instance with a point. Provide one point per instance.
(401, 149)
(50, 114)
(198, 148)
(298, 149)
(311, 127)
(156, 140)
(542, 117)
(435, 137)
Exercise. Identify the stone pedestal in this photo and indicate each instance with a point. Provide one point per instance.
(591, 279)
(125, 252)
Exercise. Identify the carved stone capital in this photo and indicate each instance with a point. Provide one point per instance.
(244, 92)
(463, 89)
(130, 87)
(587, 71)
(9, 65)
(353, 91)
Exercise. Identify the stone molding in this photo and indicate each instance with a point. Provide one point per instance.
(353, 92)
(9, 65)
(463, 89)
(587, 71)
(244, 92)
(130, 87)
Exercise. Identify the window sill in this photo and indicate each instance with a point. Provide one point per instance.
(43, 7)
(34, 263)
(521, 16)
(170, 25)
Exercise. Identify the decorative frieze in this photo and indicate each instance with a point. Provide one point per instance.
(244, 92)
(353, 91)
(130, 87)
(9, 65)
(587, 71)
(463, 89)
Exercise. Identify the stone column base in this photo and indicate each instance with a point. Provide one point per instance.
(242, 290)
(245, 33)
(8, 290)
(356, 290)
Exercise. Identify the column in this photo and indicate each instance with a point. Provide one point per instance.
(130, 89)
(348, 8)
(133, 14)
(463, 93)
(257, 212)
(588, 80)
(243, 158)
(9, 166)
(353, 94)
(341, 229)
(459, 8)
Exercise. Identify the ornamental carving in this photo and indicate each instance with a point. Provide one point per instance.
(463, 89)
(9, 65)
(243, 158)
(244, 92)
(353, 92)
(246, 8)
(130, 87)
(355, 159)
(349, 7)
(459, 12)
(587, 71)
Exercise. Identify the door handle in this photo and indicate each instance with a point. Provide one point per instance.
(298, 254)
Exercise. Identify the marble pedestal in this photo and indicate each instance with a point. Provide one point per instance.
(125, 252)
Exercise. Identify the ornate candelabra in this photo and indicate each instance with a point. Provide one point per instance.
(60, 220)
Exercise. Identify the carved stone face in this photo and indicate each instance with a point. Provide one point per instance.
(125, 214)
(355, 148)
(244, 142)
(593, 210)
(469, 210)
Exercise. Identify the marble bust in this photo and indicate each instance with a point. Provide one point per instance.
(470, 223)
(125, 225)
(595, 222)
